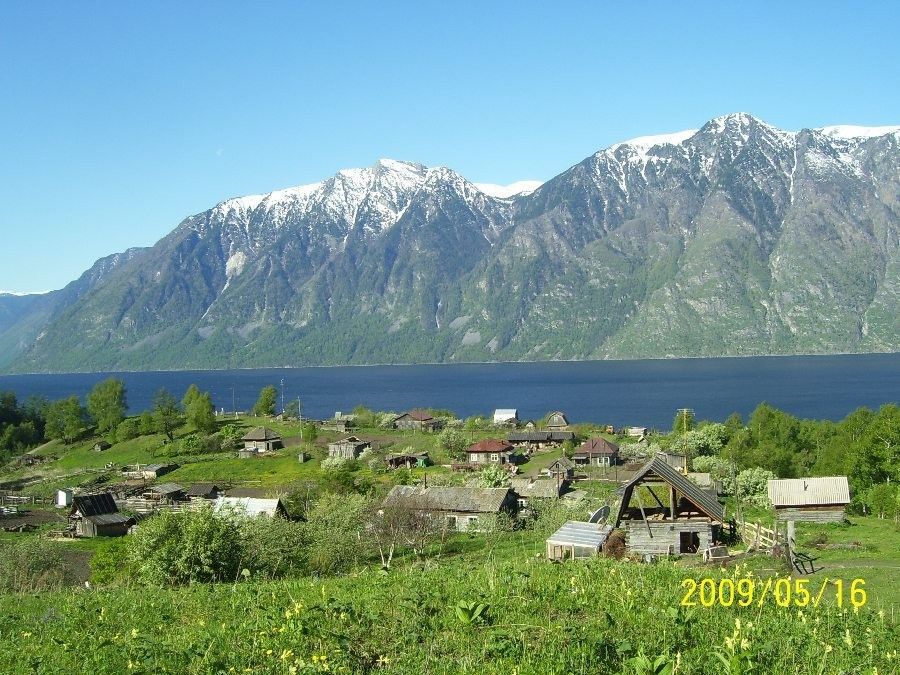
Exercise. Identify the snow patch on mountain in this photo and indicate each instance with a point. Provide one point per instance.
(521, 187)
(851, 131)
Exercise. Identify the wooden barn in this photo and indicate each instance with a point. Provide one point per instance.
(557, 421)
(97, 516)
(203, 491)
(814, 500)
(662, 512)
(417, 420)
(348, 448)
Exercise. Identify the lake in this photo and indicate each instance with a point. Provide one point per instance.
(639, 393)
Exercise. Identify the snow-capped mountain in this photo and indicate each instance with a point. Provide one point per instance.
(734, 238)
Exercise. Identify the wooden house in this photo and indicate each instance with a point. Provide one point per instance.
(102, 445)
(417, 420)
(529, 489)
(707, 482)
(261, 439)
(663, 512)
(557, 421)
(596, 452)
(462, 508)
(815, 500)
(154, 471)
(407, 460)
(97, 515)
(165, 493)
(250, 507)
(348, 448)
(562, 468)
(203, 491)
(491, 451)
(506, 417)
(538, 440)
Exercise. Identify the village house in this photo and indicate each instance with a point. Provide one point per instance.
(261, 439)
(463, 509)
(639, 433)
(340, 422)
(596, 452)
(102, 445)
(506, 417)
(814, 500)
(165, 494)
(348, 448)
(199, 491)
(407, 460)
(538, 440)
(673, 516)
(557, 421)
(250, 507)
(97, 515)
(417, 420)
(562, 468)
(491, 451)
(528, 489)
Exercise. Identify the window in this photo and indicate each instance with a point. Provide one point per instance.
(451, 522)
(495, 457)
(472, 522)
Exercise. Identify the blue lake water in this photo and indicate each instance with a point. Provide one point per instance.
(640, 393)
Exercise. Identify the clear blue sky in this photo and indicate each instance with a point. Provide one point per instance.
(119, 119)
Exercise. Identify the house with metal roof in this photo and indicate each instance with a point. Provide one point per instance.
(491, 451)
(663, 512)
(816, 500)
(97, 515)
(506, 416)
(596, 452)
(463, 508)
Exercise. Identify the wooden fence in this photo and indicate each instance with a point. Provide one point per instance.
(759, 537)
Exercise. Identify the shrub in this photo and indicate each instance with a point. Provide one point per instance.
(273, 547)
(110, 563)
(753, 485)
(335, 463)
(33, 564)
(178, 548)
(334, 529)
(128, 428)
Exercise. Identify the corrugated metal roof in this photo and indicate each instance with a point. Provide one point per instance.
(166, 488)
(249, 506)
(818, 491)
(576, 533)
(684, 487)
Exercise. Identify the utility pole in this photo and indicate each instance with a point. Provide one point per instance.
(282, 398)
(300, 417)
(233, 406)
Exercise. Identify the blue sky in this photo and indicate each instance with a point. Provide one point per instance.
(119, 119)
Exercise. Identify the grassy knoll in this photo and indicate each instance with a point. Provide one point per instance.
(596, 616)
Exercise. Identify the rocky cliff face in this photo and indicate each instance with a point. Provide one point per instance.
(737, 238)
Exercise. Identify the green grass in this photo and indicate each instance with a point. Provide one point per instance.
(585, 617)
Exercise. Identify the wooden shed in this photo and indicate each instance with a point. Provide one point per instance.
(261, 439)
(97, 515)
(348, 448)
(463, 508)
(815, 500)
(417, 420)
(662, 512)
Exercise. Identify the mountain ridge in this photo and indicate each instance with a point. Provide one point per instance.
(707, 242)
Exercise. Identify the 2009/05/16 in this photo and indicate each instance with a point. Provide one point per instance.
(783, 591)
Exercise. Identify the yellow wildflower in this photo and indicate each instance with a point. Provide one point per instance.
(745, 644)
(828, 649)
(286, 654)
(847, 639)
(134, 633)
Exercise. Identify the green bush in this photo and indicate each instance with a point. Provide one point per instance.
(110, 563)
(33, 564)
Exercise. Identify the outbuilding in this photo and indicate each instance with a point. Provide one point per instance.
(97, 515)
(348, 448)
(814, 500)
(464, 509)
(576, 540)
(261, 439)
